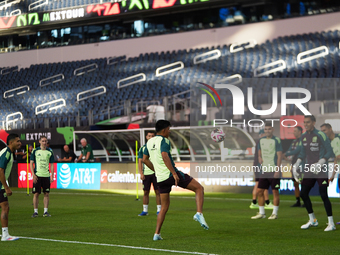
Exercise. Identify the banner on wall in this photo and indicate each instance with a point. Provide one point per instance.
(22, 176)
(78, 176)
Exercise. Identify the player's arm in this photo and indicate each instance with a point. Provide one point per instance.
(4, 183)
(80, 157)
(168, 164)
(140, 164)
(88, 154)
(260, 157)
(52, 166)
(147, 162)
(33, 170)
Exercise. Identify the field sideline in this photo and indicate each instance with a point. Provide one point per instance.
(88, 222)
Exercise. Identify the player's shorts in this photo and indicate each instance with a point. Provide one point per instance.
(3, 196)
(165, 186)
(151, 178)
(265, 183)
(257, 179)
(310, 182)
(44, 183)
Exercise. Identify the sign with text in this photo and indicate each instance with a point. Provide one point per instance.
(22, 176)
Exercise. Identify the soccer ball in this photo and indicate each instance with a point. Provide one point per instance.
(217, 135)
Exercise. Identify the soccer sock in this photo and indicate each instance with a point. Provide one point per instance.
(311, 217)
(45, 210)
(158, 208)
(261, 209)
(145, 208)
(4, 231)
(199, 213)
(298, 199)
(36, 210)
(254, 201)
(330, 220)
(275, 209)
(267, 202)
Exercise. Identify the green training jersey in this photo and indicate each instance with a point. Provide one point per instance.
(87, 149)
(154, 148)
(269, 148)
(335, 143)
(41, 159)
(146, 170)
(6, 162)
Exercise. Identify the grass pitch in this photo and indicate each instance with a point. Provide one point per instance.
(107, 223)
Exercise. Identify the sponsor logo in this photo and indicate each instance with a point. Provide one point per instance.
(103, 176)
(65, 175)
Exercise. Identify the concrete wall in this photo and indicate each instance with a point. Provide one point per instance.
(206, 38)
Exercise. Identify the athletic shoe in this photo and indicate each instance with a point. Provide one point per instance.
(143, 214)
(272, 217)
(201, 220)
(157, 237)
(46, 214)
(297, 204)
(330, 227)
(310, 224)
(269, 206)
(254, 206)
(338, 223)
(9, 238)
(34, 215)
(258, 216)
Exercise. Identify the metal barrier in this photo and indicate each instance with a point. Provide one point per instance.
(132, 82)
(229, 78)
(235, 47)
(37, 4)
(8, 121)
(171, 70)
(273, 64)
(50, 78)
(117, 59)
(50, 108)
(90, 90)
(15, 12)
(216, 56)
(19, 93)
(9, 68)
(5, 4)
(87, 71)
(299, 59)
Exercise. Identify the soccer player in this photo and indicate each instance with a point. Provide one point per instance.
(147, 176)
(253, 204)
(159, 151)
(6, 162)
(270, 156)
(335, 143)
(41, 157)
(294, 151)
(315, 151)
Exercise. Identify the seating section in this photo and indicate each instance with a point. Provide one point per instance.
(156, 88)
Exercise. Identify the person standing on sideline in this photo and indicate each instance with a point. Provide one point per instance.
(6, 162)
(294, 151)
(254, 204)
(41, 158)
(159, 151)
(315, 151)
(147, 176)
(335, 143)
(270, 156)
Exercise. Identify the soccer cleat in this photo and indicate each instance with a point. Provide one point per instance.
(297, 204)
(143, 214)
(258, 216)
(254, 206)
(201, 220)
(272, 217)
(34, 215)
(310, 224)
(330, 227)
(269, 206)
(157, 237)
(46, 214)
(9, 238)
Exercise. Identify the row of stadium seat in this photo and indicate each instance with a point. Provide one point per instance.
(243, 62)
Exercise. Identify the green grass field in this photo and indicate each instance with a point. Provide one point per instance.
(111, 219)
